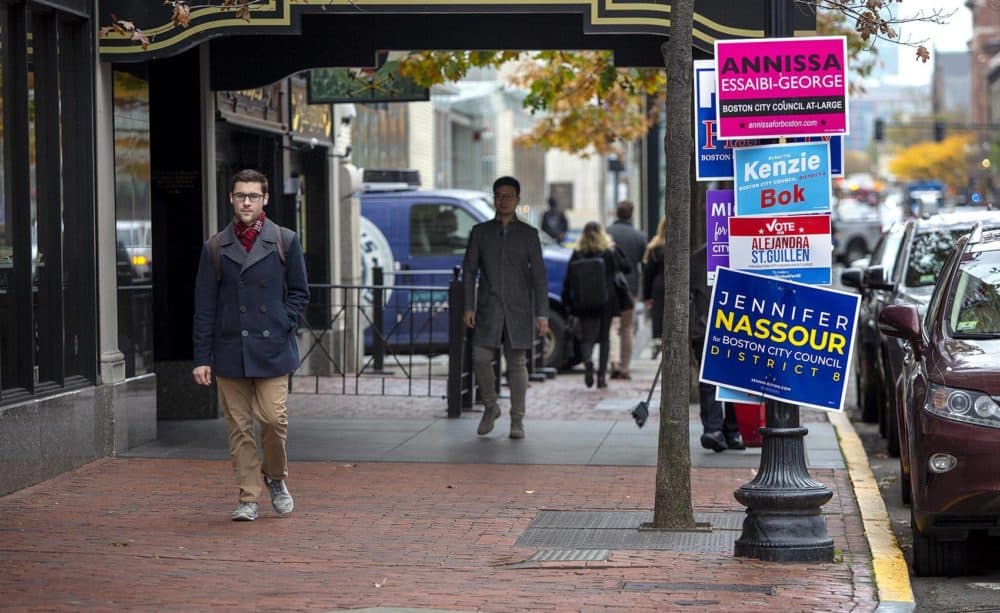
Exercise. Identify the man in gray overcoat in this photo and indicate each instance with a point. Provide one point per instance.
(511, 305)
(249, 293)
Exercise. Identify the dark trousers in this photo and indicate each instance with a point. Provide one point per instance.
(596, 329)
(715, 415)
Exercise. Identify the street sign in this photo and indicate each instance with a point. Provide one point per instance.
(718, 210)
(784, 179)
(714, 157)
(787, 341)
(777, 87)
(791, 247)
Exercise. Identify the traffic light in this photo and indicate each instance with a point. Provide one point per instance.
(938, 131)
(879, 129)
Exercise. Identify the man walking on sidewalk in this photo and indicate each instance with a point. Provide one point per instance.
(511, 304)
(249, 293)
(632, 245)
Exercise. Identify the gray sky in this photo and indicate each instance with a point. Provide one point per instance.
(952, 36)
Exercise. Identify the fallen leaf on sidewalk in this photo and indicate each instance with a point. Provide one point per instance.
(122, 543)
(529, 491)
(377, 584)
(348, 465)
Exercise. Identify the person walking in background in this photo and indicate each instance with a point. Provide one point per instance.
(554, 222)
(505, 255)
(720, 430)
(653, 282)
(632, 245)
(250, 290)
(588, 293)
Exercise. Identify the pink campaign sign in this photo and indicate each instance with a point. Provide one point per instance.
(769, 88)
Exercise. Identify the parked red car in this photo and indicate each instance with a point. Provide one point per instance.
(946, 402)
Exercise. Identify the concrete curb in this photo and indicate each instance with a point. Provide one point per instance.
(892, 577)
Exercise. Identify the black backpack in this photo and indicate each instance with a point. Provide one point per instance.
(588, 291)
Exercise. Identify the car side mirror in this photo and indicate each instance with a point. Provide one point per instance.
(875, 278)
(851, 277)
(901, 321)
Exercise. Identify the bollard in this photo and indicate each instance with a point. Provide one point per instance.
(378, 336)
(456, 345)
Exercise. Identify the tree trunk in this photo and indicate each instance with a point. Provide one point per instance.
(672, 508)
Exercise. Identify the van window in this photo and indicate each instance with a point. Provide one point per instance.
(439, 229)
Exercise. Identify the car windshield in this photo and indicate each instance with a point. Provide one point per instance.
(974, 304)
(927, 255)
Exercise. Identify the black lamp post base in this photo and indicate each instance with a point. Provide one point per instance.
(782, 536)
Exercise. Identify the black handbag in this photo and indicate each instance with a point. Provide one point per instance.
(622, 292)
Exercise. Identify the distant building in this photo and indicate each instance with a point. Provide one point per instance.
(952, 83)
(887, 102)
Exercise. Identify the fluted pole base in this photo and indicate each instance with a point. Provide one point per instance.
(783, 522)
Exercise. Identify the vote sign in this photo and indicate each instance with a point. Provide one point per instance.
(794, 248)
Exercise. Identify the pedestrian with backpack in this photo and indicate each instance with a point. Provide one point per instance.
(250, 290)
(589, 294)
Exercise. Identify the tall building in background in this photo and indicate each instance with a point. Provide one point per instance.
(951, 84)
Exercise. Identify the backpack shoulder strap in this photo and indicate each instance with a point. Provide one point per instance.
(213, 248)
(280, 243)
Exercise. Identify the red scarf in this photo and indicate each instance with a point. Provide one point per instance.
(247, 234)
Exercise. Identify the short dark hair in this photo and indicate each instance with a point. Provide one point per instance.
(625, 209)
(509, 181)
(249, 175)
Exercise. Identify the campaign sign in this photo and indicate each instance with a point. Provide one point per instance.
(713, 157)
(787, 179)
(774, 87)
(725, 394)
(718, 210)
(793, 248)
(836, 151)
(782, 340)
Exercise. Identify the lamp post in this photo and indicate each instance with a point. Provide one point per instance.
(783, 522)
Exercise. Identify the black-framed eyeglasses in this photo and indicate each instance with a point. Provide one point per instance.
(502, 197)
(253, 198)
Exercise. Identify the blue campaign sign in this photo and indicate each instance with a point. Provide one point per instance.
(779, 339)
(836, 151)
(713, 157)
(786, 179)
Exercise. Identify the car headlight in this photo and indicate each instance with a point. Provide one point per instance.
(962, 405)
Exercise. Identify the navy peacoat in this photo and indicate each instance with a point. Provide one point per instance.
(244, 322)
(512, 282)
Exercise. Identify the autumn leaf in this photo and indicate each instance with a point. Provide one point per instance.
(923, 54)
(182, 14)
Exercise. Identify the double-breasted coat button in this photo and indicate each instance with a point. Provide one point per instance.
(267, 333)
(243, 308)
(243, 283)
(263, 308)
(245, 333)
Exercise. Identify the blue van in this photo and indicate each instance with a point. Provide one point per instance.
(418, 236)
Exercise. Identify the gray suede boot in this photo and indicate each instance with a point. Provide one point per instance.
(516, 427)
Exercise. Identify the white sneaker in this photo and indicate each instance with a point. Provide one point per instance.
(281, 500)
(246, 511)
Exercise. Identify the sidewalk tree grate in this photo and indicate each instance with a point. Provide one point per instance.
(576, 530)
(570, 555)
(646, 586)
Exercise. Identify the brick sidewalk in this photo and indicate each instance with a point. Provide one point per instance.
(137, 534)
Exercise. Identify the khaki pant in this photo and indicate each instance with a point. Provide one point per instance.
(621, 345)
(243, 400)
(517, 377)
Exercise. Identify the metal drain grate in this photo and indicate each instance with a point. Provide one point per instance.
(589, 530)
(570, 555)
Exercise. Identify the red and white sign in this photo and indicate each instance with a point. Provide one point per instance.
(769, 88)
(792, 247)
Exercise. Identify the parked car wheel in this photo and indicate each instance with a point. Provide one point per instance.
(554, 349)
(933, 557)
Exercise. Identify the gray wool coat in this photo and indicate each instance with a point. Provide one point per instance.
(244, 321)
(512, 282)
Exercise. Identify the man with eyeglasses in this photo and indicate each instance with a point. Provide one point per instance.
(250, 290)
(511, 305)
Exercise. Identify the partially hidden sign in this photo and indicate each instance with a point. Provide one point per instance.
(794, 248)
(783, 340)
(776, 87)
(718, 210)
(786, 179)
(713, 156)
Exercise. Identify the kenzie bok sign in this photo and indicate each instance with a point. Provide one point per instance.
(786, 341)
(781, 87)
(783, 179)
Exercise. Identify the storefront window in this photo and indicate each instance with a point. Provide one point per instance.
(134, 228)
(46, 243)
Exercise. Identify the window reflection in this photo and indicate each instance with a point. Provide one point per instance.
(133, 226)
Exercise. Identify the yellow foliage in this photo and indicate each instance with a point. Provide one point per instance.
(946, 161)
